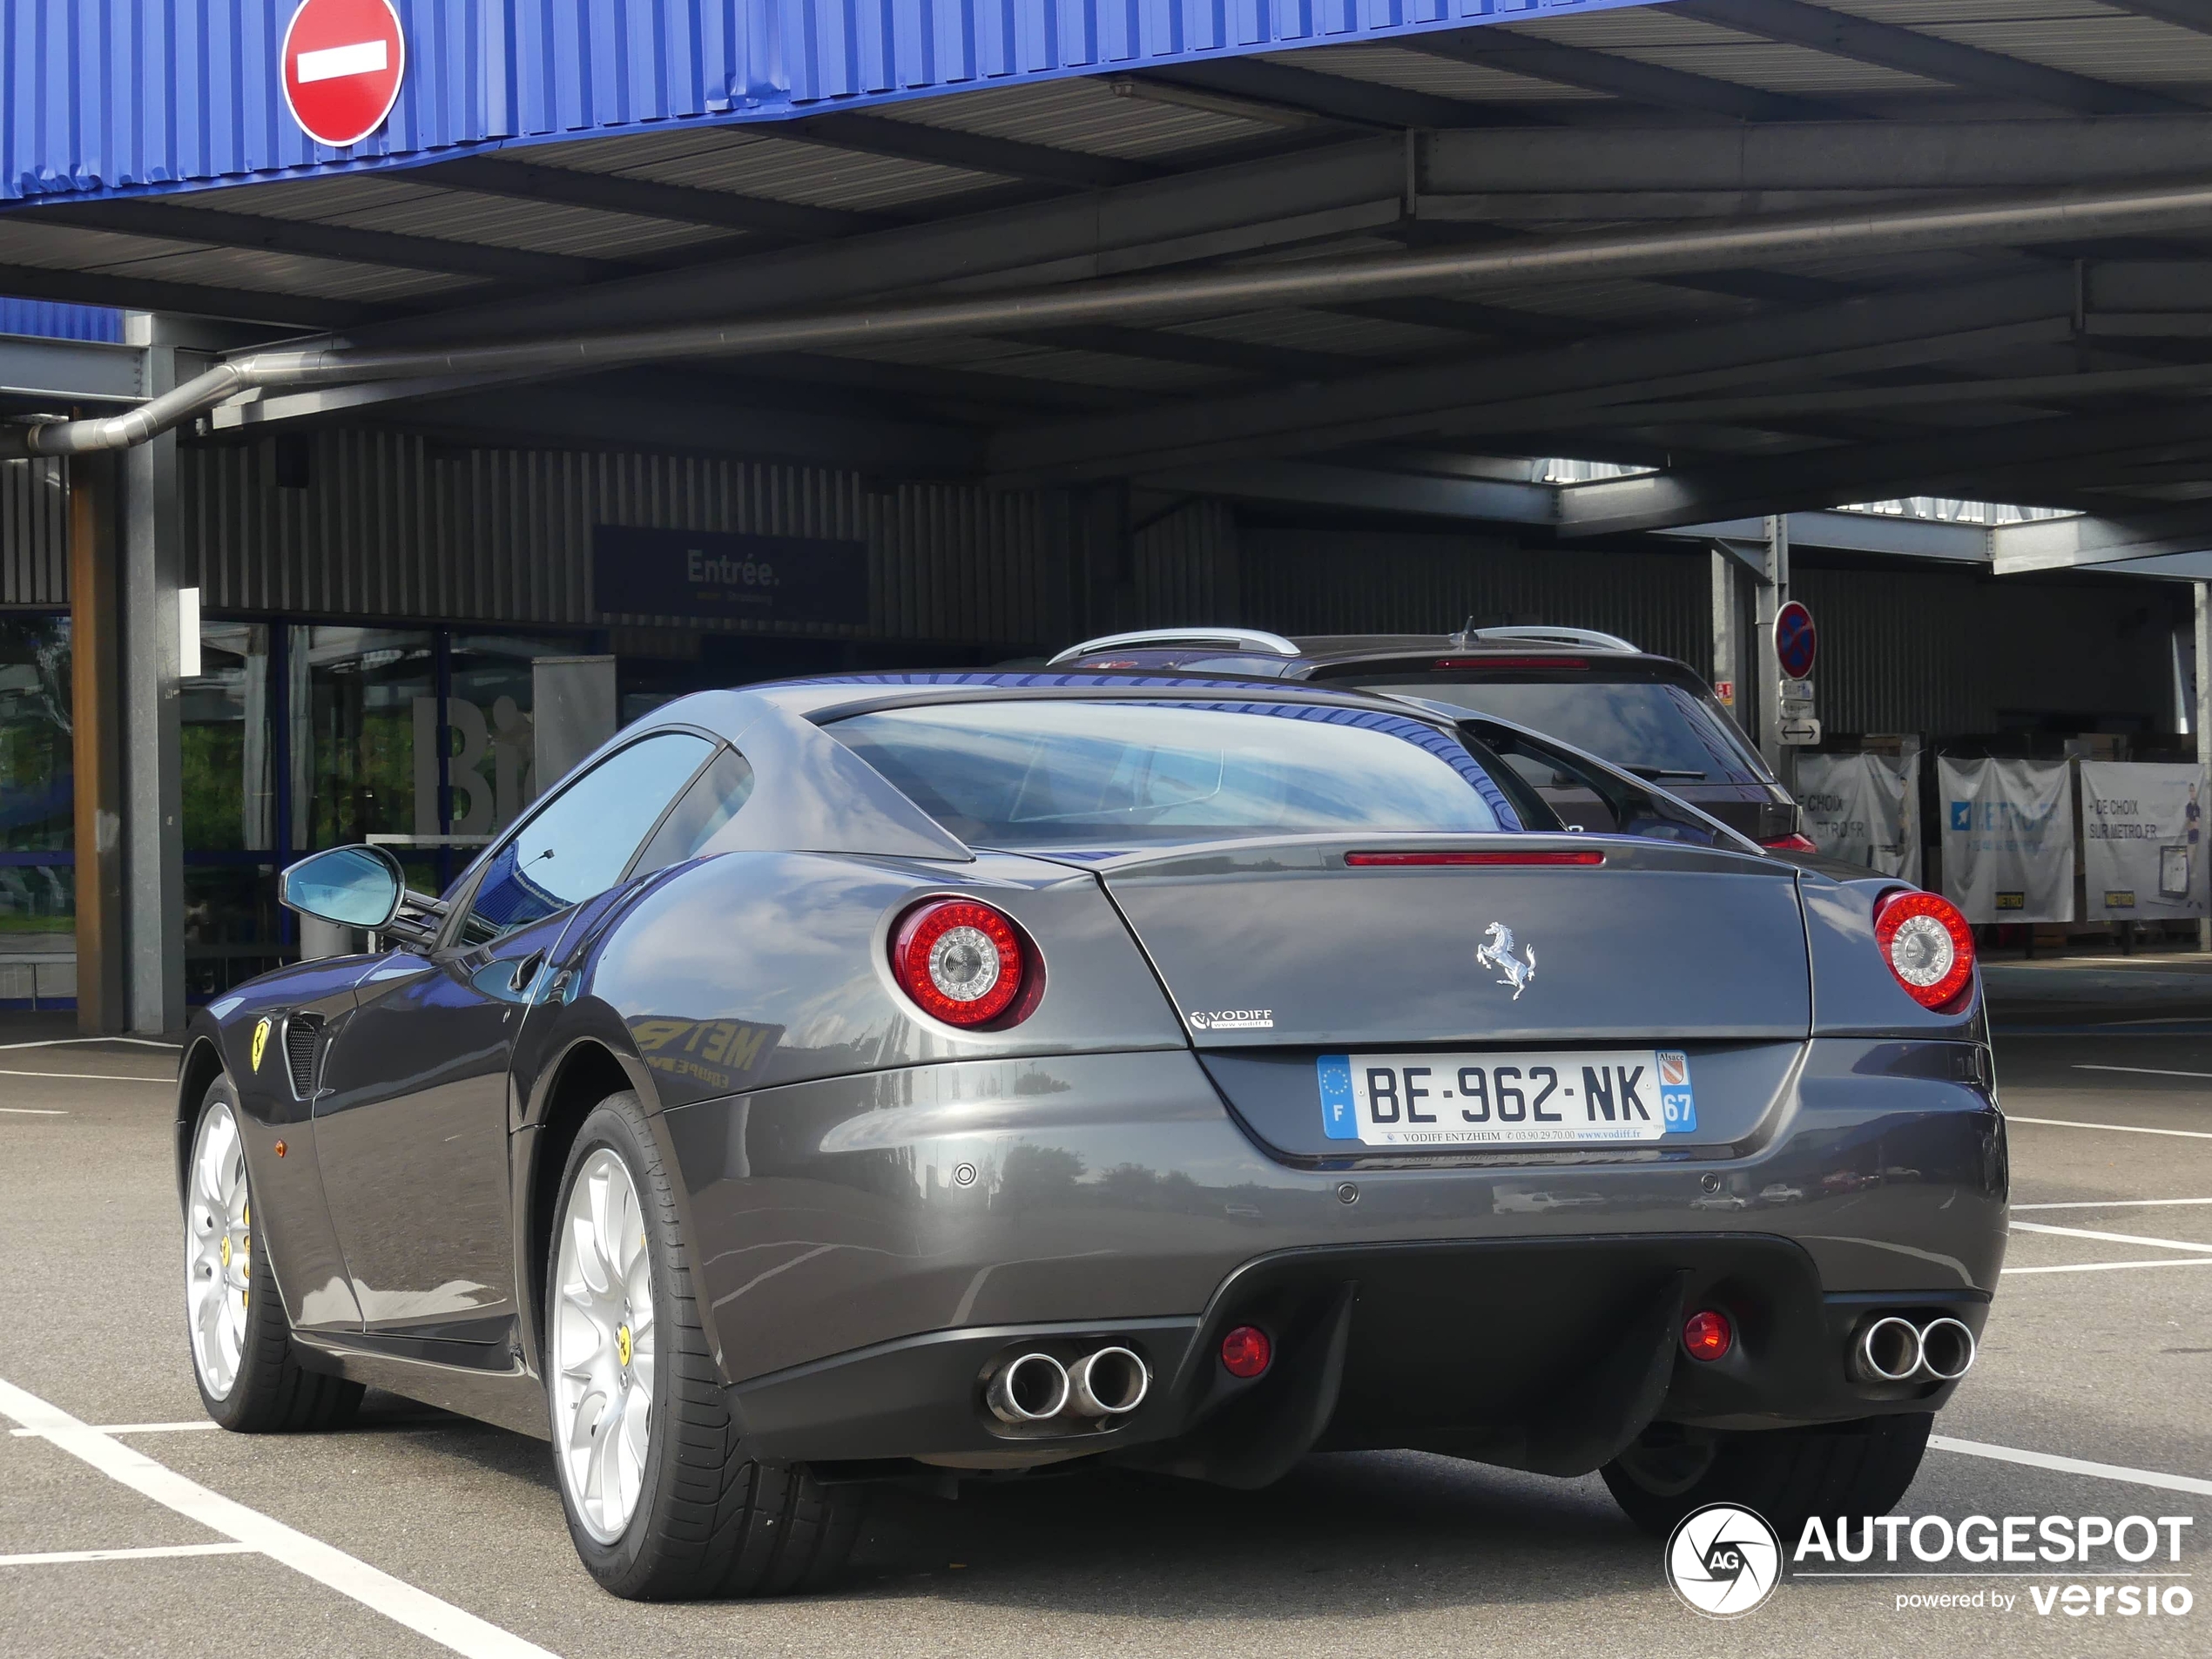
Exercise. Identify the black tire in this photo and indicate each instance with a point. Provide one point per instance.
(1786, 1474)
(710, 1521)
(271, 1393)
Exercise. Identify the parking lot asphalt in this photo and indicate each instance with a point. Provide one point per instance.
(421, 1533)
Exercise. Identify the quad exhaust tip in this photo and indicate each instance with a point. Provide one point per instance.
(1108, 1383)
(1894, 1350)
(1034, 1388)
(1027, 1390)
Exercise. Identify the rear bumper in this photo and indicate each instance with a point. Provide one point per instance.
(865, 1245)
(1546, 1355)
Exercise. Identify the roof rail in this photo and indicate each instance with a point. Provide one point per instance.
(1588, 636)
(1232, 638)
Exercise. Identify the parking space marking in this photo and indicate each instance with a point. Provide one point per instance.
(2145, 1071)
(419, 1610)
(33, 1112)
(2108, 1267)
(91, 1077)
(69, 1557)
(2157, 1477)
(2117, 1129)
(2109, 1238)
(65, 1043)
(134, 1428)
(2108, 1203)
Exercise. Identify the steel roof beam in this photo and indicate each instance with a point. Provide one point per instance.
(55, 373)
(2182, 14)
(1336, 98)
(1870, 331)
(1324, 485)
(166, 219)
(1795, 23)
(1091, 234)
(878, 135)
(183, 299)
(2021, 455)
(1818, 156)
(1470, 317)
(1623, 77)
(2091, 540)
(644, 198)
(1197, 351)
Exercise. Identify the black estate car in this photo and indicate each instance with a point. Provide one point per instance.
(1648, 714)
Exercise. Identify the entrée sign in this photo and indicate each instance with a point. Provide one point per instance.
(640, 572)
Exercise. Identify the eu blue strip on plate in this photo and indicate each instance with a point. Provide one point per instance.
(1339, 1115)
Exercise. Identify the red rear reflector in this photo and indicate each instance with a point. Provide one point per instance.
(1246, 1352)
(1707, 1335)
(1458, 664)
(1793, 842)
(1927, 944)
(1396, 860)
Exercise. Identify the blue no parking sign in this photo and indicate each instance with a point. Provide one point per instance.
(1796, 641)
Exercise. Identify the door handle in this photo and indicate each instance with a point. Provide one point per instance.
(526, 970)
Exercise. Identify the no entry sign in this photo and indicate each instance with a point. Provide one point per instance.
(342, 66)
(1795, 640)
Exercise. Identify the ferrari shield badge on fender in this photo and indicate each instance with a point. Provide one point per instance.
(261, 1042)
(1516, 971)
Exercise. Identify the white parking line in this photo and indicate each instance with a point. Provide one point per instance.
(65, 1043)
(33, 1112)
(2107, 1267)
(66, 1557)
(92, 1076)
(2145, 1071)
(2109, 1238)
(2073, 1464)
(2117, 1129)
(395, 1599)
(2108, 1203)
(135, 1428)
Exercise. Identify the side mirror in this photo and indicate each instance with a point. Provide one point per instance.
(354, 887)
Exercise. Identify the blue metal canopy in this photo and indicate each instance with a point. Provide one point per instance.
(102, 97)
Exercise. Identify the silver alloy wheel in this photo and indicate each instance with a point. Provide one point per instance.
(218, 1246)
(603, 1347)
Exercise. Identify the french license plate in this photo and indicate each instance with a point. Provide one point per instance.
(1573, 1098)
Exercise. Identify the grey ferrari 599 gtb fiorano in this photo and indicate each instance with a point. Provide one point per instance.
(849, 1079)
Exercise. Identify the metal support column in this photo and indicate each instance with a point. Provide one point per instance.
(2200, 723)
(1727, 647)
(153, 863)
(96, 684)
(1774, 593)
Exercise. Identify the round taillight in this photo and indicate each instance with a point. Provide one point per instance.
(1245, 1351)
(959, 960)
(1707, 1335)
(1928, 945)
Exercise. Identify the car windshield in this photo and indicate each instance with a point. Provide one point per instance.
(1103, 774)
(1662, 731)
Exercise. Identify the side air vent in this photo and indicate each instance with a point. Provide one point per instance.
(303, 1032)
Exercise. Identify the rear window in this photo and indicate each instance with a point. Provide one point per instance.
(1093, 774)
(1662, 731)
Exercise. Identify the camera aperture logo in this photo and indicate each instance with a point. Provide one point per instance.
(1723, 1561)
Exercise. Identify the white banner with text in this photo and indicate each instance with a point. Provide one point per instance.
(2008, 839)
(1864, 810)
(2141, 854)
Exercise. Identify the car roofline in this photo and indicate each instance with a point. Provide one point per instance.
(1108, 688)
